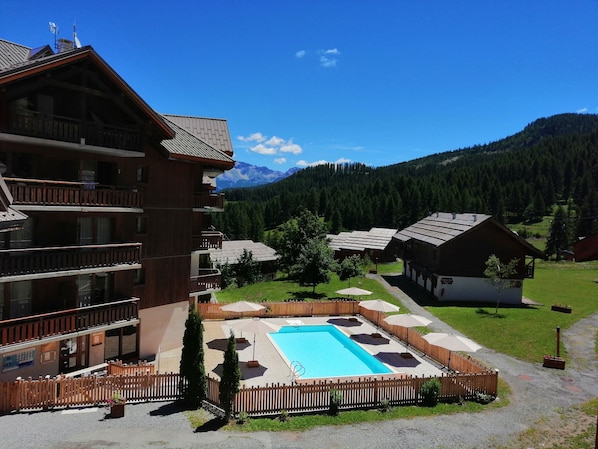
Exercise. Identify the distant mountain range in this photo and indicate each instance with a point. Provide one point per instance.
(247, 175)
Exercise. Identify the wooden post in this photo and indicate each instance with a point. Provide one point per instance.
(558, 341)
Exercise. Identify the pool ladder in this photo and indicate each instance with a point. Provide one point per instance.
(297, 370)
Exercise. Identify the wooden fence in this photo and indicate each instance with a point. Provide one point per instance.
(455, 361)
(45, 393)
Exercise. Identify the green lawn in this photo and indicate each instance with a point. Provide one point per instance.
(526, 333)
(529, 333)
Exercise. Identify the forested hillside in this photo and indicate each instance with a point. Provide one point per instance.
(553, 160)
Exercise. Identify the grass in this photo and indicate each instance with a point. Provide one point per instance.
(531, 331)
(199, 418)
(283, 289)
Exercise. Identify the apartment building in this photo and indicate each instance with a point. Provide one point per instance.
(116, 201)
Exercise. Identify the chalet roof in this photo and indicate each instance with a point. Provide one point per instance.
(15, 63)
(213, 131)
(233, 249)
(12, 54)
(375, 238)
(440, 227)
(188, 146)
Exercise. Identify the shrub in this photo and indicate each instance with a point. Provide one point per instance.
(483, 398)
(284, 416)
(242, 418)
(336, 399)
(429, 392)
(384, 405)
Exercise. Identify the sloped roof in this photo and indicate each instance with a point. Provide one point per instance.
(440, 227)
(233, 249)
(187, 146)
(12, 54)
(375, 238)
(15, 64)
(213, 131)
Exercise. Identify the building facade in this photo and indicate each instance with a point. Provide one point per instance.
(118, 200)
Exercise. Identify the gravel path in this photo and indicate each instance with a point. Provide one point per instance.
(536, 393)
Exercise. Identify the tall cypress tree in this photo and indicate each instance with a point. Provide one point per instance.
(231, 377)
(192, 367)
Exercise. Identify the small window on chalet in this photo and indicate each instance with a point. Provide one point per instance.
(141, 225)
(142, 174)
(140, 276)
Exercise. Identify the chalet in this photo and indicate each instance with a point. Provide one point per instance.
(117, 200)
(586, 248)
(232, 250)
(374, 244)
(445, 254)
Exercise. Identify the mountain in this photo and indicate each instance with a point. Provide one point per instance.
(519, 178)
(247, 175)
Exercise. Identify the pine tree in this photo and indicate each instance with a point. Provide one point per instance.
(231, 377)
(192, 367)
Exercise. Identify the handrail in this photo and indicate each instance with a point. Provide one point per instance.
(67, 183)
(67, 248)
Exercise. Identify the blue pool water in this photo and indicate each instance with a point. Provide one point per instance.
(324, 351)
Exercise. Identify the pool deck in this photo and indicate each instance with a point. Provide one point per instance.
(273, 369)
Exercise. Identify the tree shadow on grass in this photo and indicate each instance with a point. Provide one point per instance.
(485, 314)
(303, 295)
(216, 423)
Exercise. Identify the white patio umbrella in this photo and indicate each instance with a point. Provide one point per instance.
(407, 320)
(354, 291)
(254, 326)
(242, 307)
(380, 306)
(452, 343)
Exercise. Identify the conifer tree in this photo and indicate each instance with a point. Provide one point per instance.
(192, 367)
(231, 377)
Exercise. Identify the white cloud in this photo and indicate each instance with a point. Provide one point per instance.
(582, 110)
(300, 54)
(327, 62)
(263, 149)
(280, 160)
(332, 51)
(275, 141)
(304, 163)
(291, 147)
(255, 137)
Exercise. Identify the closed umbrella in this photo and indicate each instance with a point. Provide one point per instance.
(407, 320)
(379, 306)
(452, 343)
(254, 326)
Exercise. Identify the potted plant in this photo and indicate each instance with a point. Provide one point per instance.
(561, 308)
(116, 404)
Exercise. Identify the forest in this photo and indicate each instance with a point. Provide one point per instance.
(517, 179)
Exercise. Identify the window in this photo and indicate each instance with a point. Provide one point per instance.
(141, 225)
(142, 174)
(20, 299)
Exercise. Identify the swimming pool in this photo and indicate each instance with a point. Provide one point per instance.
(324, 351)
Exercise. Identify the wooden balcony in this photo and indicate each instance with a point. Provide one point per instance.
(207, 240)
(39, 192)
(18, 262)
(35, 124)
(208, 280)
(208, 201)
(65, 322)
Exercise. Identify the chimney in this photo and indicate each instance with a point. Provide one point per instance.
(64, 45)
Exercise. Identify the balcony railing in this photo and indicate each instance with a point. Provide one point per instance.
(54, 127)
(207, 200)
(37, 327)
(16, 262)
(62, 193)
(207, 240)
(208, 280)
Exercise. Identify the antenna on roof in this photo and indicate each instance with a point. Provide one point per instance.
(54, 30)
(75, 38)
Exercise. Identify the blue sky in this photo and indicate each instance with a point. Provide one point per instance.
(302, 82)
